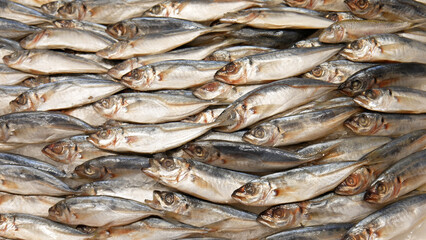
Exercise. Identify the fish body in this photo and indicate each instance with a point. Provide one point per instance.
(14, 29)
(325, 232)
(34, 205)
(319, 5)
(18, 12)
(225, 93)
(16, 159)
(86, 113)
(230, 54)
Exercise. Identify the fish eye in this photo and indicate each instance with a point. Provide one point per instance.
(356, 45)
(156, 9)
(259, 133)
(21, 100)
(169, 198)
(350, 181)
(381, 188)
(249, 189)
(68, 8)
(231, 68)
(370, 94)
(105, 103)
(362, 4)
(57, 148)
(390, 92)
(89, 170)
(278, 213)
(317, 72)
(363, 120)
(104, 133)
(135, 74)
(356, 84)
(168, 163)
(199, 151)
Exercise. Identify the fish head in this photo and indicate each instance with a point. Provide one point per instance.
(7, 223)
(235, 72)
(212, 90)
(355, 183)
(356, 84)
(16, 58)
(72, 10)
(65, 151)
(114, 51)
(335, 17)
(264, 134)
(161, 10)
(364, 8)
(320, 72)
(371, 98)
(24, 102)
(299, 3)
(363, 49)
(140, 77)
(60, 212)
(332, 34)
(282, 216)
(108, 107)
(91, 171)
(253, 192)
(65, 23)
(360, 233)
(7, 130)
(365, 123)
(87, 190)
(169, 202)
(201, 151)
(308, 43)
(167, 170)
(219, 55)
(52, 7)
(107, 137)
(383, 191)
(122, 30)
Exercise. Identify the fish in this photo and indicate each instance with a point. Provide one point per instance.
(393, 100)
(401, 178)
(64, 94)
(87, 114)
(395, 74)
(336, 71)
(197, 179)
(326, 232)
(223, 92)
(46, 62)
(391, 152)
(327, 209)
(14, 29)
(221, 136)
(266, 67)
(350, 30)
(193, 211)
(9, 76)
(230, 54)
(148, 138)
(266, 18)
(82, 25)
(7, 47)
(391, 220)
(319, 5)
(189, 53)
(99, 211)
(33, 3)
(298, 128)
(246, 157)
(25, 180)
(207, 116)
(26, 226)
(151, 228)
(7, 94)
(154, 43)
(340, 16)
(34, 205)
(408, 11)
(173, 74)
(385, 124)
(199, 11)
(39, 127)
(137, 27)
(308, 43)
(66, 38)
(110, 167)
(149, 107)
(37, 80)
(385, 47)
(18, 12)
(270, 99)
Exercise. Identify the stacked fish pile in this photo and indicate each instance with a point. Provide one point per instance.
(229, 119)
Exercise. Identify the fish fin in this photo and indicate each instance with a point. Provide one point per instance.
(421, 25)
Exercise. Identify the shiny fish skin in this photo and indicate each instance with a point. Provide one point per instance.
(222, 92)
(174, 74)
(66, 38)
(319, 5)
(98, 211)
(7, 94)
(403, 177)
(47, 62)
(34, 205)
(271, 99)
(64, 94)
(39, 127)
(82, 25)
(30, 181)
(15, 29)
(230, 54)
(340, 16)
(198, 179)
(410, 75)
(336, 71)
(326, 232)
(393, 100)
(25, 226)
(298, 128)
(207, 116)
(9, 76)
(246, 157)
(390, 221)
(21, 13)
(385, 124)
(148, 138)
(270, 66)
(7, 47)
(87, 114)
(33, 3)
(393, 151)
(149, 107)
(385, 47)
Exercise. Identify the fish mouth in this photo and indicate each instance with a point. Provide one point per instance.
(349, 124)
(155, 202)
(6, 59)
(361, 100)
(221, 76)
(103, 53)
(152, 170)
(350, 4)
(371, 197)
(93, 139)
(266, 221)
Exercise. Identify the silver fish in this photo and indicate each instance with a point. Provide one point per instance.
(7, 47)
(341, 16)
(324, 232)
(319, 5)
(207, 116)
(230, 54)
(9, 76)
(222, 92)
(33, 3)
(15, 29)
(83, 25)
(86, 113)
(7, 94)
(21, 13)
(34, 205)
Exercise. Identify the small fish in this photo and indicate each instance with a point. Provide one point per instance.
(99, 211)
(328, 232)
(14, 29)
(393, 100)
(34, 205)
(401, 178)
(30, 181)
(274, 65)
(385, 47)
(319, 5)
(230, 54)
(196, 178)
(18, 12)
(26, 226)
(385, 124)
(336, 71)
(50, 62)
(39, 127)
(410, 75)
(391, 220)
(299, 128)
(222, 92)
(7, 94)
